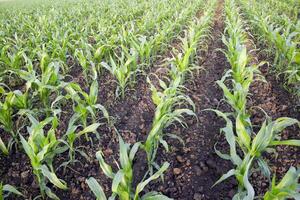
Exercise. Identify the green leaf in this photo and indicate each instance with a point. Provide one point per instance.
(283, 122)
(140, 187)
(29, 151)
(51, 194)
(96, 188)
(116, 181)
(89, 129)
(242, 133)
(105, 167)
(225, 176)
(133, 150)
(11, 189)
(52, 177)
(103, 110)
(124, 159)
(3, 147)
(155, 196)
(286, 142)
(94, 92)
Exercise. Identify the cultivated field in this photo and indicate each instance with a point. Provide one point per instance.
(150, 99)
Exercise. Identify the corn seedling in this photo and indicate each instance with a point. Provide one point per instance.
(41, 147)
(241, 74)
(12, 101)
(240, 135)
(264, 141)
(11, 58)
(6, 190)
(288, 187)
(85, 59)
(122, 180)
(167, 112)
(85, 104)
(73, 134)
(123, 69)
(45, 84)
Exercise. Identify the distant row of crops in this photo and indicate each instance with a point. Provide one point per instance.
(279, 30)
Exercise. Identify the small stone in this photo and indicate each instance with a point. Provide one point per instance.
(141, 127)
(25, 174)
(197, 196)
(284, 107)
(198, 171)
(210, 163)
(107, 152)
(188, 163)
(200, 189)
(74, 191)
(202, 164)
(177, 171)
(180, 159)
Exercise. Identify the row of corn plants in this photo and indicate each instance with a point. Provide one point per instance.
(281, 39)
(170, 93)
(171, 106)
(247, 147)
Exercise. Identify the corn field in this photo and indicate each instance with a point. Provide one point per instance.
(150, 100)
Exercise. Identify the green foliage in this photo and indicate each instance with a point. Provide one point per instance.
(238, 132)
(73, 134)
(123, 178)
(6, 190)
(11, 101)
(281, 35)
(288, 187)
(167, 112)
(85, 104)
(41, 147)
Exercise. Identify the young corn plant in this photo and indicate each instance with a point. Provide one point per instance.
(41, 147)
(253, 145)
(85, 58)
(14, 100)
(123, 69)
(122, 187)
(48, 82)
(11, 58)
(240, 134)
(85, 104)
(72, 134)
(6, 190)
(144, 46)
(288, 187)
(167, 112)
